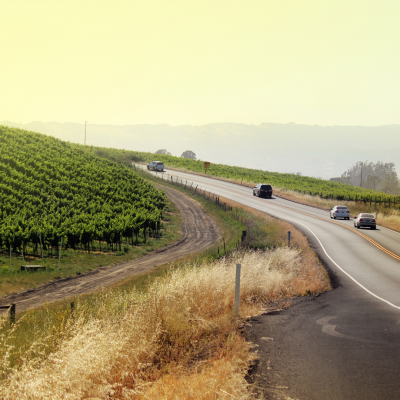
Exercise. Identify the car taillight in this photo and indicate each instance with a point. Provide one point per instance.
(347, 211)
(373, 220)
(361, 220)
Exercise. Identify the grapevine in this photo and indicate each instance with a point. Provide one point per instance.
(50, 190)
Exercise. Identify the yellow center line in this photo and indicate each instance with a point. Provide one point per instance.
(347, 227)
(327, 220)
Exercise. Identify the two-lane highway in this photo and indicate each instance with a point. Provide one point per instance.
(346, 343)
(370, 257)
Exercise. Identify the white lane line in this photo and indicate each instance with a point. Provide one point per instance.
(388, 229)
(323, 248)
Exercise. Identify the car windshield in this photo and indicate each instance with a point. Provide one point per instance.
(341, 208)
(367, 216)
(266, 187)
(159, 163)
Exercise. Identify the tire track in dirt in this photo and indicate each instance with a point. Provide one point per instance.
(199, 232)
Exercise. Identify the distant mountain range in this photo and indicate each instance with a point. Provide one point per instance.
(312, 150)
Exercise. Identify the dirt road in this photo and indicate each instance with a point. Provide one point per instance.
(198, 233)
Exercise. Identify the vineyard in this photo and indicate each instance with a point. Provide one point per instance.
(303, 184)
(52, 193)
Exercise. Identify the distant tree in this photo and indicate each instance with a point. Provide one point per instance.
(163, 151)
(379, 176)
(391, 184)
(372, 182)
(189, 154)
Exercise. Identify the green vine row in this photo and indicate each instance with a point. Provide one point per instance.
(50, 190)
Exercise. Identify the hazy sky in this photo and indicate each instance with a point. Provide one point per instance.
(198, 62)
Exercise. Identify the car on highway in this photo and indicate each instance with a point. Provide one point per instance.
(155, 166)
(262, 190)
(340, 212)
(365, 219)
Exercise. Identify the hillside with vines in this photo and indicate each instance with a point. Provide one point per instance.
(52, 191)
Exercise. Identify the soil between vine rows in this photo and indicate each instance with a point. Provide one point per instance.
(199, 232)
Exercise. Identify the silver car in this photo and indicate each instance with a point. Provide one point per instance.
(364, 219)
(340, 212)
(155, 166)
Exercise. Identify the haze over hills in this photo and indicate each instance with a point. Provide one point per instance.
(313, 150)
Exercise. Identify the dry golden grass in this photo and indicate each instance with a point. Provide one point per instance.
(179, 340)
(222, 377)
(390, 220)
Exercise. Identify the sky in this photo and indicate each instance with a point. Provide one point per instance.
(187, 62)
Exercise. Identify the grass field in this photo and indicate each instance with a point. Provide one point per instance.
(170, 334)
(178, 339)
(36, 323)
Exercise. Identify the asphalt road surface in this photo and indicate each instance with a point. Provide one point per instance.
(344, 344)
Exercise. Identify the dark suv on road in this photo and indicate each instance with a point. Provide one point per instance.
(262, 190)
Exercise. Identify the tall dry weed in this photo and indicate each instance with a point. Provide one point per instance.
(179, 340)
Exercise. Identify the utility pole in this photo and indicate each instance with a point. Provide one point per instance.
(361, 175)
(85, 134)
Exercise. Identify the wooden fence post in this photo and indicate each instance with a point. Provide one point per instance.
(237, 289)
(12, 314)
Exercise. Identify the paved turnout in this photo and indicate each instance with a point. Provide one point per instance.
(346, 343)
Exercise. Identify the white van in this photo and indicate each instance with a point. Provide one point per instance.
(155, 166)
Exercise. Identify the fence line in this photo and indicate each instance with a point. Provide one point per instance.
(212, 198)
